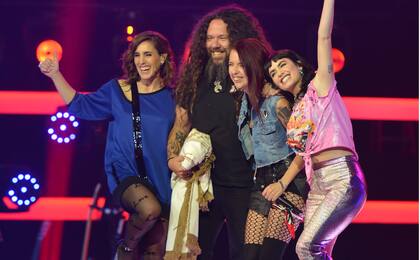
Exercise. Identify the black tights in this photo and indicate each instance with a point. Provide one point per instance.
(144, 224)
(270, 249)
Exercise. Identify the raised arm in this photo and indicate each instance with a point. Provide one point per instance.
(50, 67)
(325, 74)
(179, 132)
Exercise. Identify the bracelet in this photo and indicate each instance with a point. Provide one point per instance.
(282, 185)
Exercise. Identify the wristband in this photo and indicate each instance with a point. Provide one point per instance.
(282, 185)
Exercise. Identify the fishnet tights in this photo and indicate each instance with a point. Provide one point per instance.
(274, 226)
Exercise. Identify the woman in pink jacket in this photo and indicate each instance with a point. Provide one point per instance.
(320, 132)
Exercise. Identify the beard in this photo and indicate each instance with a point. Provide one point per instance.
(216, 71)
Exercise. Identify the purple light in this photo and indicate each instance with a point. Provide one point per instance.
(63, 129)
(25, 189)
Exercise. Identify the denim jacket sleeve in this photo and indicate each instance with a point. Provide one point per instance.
(244, 132)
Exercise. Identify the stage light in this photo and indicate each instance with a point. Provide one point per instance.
(21, 190)
(47, 48)
(338, 60)
(63, 128)
(130, 30)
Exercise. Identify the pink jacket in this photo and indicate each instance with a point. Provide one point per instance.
(319, 123)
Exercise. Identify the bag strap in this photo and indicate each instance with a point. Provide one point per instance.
(137, 132)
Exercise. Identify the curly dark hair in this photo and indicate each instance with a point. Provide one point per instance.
(240, 24)
(307, 69)
(161, 44)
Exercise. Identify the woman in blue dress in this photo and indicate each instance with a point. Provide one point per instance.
(140, 112)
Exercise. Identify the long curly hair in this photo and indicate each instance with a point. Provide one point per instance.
(240, 24)
(167, 69)
(307, 71)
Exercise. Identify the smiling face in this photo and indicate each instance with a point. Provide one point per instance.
(148, 61)
(286, 75)
(237, 71)
(217, 42)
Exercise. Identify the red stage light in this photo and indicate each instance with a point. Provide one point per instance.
(76, 209)
(130, 38)
(360, 108)
(47, 48)
(338, 60)
(389, 212)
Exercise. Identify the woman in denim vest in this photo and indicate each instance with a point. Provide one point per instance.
(261, 122)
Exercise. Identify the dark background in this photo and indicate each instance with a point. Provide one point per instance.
(378, 37)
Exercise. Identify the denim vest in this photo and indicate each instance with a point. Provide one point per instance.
(268, 140)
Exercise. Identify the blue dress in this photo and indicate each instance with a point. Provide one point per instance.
(157, 111)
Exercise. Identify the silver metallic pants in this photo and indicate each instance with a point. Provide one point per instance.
(337, 194)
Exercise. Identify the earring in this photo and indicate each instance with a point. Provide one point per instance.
(301, 71)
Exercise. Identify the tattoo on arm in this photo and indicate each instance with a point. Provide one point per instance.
(283, 114)
(175, 143)
(178, 133)
(330, 68)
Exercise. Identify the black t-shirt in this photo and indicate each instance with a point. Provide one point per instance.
(215, 114)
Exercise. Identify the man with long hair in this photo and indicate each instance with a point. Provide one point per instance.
(204, 102)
